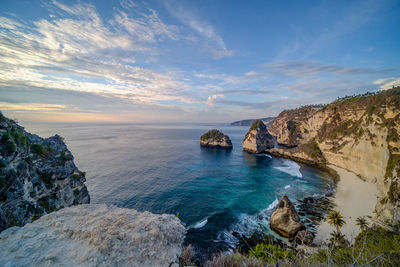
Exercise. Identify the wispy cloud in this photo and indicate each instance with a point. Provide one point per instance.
(387, 83)
(206, 31)
(300, 68)
(77, 50)
(31, 107)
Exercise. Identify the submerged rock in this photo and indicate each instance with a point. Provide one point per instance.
(37, 176)
(215, 138)
(285, 220)
(257, 139)
(94, 235)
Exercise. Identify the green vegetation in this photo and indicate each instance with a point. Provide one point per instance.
(316, 151)
(40, 150)
(213, 134)
(271, 253)
(7, 143)
(257, 123)
(64, 157)
(335, 218)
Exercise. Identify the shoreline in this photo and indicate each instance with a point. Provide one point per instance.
(354, 197)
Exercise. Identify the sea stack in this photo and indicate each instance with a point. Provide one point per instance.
(215, 138)
(257, 139)
(284, 220)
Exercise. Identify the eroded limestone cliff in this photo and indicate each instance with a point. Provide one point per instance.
(360, 134)
(37, 176)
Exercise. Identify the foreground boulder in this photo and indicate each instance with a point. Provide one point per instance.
(257, 139)
(304, 237)
(37, 176)
(94, 235)
(285, 220)
(215, 138)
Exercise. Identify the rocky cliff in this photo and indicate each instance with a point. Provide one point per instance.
(37, 176)
(257, 139)
(358, 133)
(267, 121)
(94, 235)
(215, 138)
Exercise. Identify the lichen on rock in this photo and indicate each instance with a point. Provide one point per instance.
(94, 235)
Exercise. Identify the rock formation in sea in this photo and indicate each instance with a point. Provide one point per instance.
(357, 133)
(37, 175)
(215, 138)
(94, 235)
(257, 139)
(285, 220)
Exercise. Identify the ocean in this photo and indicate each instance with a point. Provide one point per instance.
(162, 168)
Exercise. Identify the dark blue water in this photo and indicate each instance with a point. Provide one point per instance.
(163, 169)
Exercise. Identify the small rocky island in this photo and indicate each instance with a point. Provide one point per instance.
(215, 138)
(258, 139)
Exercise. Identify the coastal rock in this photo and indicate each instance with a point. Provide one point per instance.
(285, 220)
(37, 176)
(304, 237)
(357, 133)
(215, 138)
(257, 139)
(94, 235)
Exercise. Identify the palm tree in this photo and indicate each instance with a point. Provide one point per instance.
(338, 240)
(362, 223)
(336, 219)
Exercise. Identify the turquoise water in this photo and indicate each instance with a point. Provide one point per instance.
(163, 169)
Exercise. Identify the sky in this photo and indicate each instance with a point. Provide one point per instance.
(190, 61)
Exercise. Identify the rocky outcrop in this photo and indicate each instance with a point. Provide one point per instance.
(37, 176)
(215, 138)
(257, 139)
(94, 235)
(285, 220)
(304, 237)
(358, 133)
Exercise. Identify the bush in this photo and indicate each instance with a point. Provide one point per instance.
(212, 134)
(234, 260)
(7, 144)
(271, 253)
(37, 149)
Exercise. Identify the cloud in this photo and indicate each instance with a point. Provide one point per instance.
(31, 107)
(205, 30)
(387, 83)
(211, 99)
(76, 50)
(301, 68)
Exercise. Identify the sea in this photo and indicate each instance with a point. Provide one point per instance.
(161, 168)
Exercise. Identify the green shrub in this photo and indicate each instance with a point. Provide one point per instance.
(7, 144)
(37, 149)
(271, 253)
(212, 134)
(64, 157)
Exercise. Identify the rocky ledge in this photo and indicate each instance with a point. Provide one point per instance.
(215, 138)
(37, 175)
(94, 235)
(257, 139)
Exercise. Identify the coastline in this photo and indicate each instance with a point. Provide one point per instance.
(353, 198)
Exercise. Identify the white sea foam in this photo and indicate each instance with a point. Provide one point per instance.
(287, 187)
(291, 168)
(201, 224)
(264, 155)
(273, 204)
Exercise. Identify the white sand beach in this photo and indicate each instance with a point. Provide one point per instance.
(354, 197)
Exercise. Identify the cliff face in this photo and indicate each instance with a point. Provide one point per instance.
(94, 235)
(257, 139)
(37, 176)
(360, 134)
